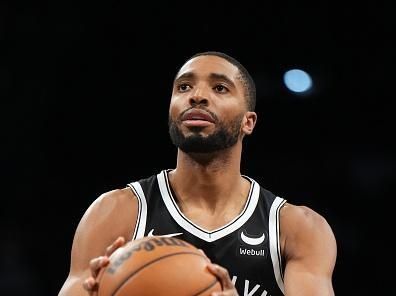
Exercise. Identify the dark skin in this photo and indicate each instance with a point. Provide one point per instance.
(210, 83)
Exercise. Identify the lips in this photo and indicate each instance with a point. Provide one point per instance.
(195, 114)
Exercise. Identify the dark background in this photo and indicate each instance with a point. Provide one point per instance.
(85, 89)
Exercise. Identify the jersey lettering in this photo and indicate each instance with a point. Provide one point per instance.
(246, 291)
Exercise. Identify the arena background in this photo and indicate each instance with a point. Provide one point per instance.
(84, 93)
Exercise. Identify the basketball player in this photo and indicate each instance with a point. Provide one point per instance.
(259, 244)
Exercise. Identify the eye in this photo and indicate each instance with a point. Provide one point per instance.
(183, 87)
(220, 88)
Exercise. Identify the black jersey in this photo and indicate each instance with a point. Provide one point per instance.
(248, 246)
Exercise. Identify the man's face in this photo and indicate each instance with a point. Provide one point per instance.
(207, 105)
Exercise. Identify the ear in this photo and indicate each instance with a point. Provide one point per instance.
(249, 122)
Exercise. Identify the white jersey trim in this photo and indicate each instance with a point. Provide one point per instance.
(275, 241)
(198, 231)
(142, 210)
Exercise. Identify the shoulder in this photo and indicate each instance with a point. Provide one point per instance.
(304, 229)
(116, 207)
(113, 199)
(294, 216)
(110, 215)
(113, 212)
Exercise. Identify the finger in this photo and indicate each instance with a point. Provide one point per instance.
(90, 284)
(222, 275)
(97, 263)
(119, 242)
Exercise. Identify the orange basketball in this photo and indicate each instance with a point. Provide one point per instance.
(155, 266)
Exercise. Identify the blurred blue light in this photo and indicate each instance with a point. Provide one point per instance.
(297, 80)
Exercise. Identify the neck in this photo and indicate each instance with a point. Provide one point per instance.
(209, 180)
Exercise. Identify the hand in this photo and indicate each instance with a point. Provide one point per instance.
(91, 284)
(222, 274)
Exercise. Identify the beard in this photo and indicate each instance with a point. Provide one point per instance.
(224, 136)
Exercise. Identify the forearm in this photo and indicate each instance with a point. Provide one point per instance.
(73, 287)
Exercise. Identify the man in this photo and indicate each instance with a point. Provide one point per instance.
(258, 243)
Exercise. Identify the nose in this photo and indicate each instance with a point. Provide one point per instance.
(198, 98)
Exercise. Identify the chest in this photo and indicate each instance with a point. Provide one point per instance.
(246, 245)
(209, 220)
(244, 251)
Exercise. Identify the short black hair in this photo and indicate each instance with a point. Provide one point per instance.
(246, 78)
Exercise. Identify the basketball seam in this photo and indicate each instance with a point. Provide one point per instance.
(149, 263)
(207, 288)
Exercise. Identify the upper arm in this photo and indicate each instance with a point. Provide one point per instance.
(310, 251)
(111, 215)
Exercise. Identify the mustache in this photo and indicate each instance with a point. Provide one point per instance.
(213, 115)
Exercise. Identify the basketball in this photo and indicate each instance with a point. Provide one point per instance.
(155, 266)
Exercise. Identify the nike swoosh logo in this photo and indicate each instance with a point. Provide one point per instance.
(164, 235)
(254, 241)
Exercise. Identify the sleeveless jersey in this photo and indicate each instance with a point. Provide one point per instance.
(248, 246)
